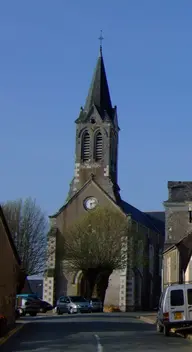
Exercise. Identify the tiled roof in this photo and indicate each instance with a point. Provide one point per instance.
(143, 218)
(158, 218)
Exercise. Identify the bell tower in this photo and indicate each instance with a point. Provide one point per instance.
(97, 137)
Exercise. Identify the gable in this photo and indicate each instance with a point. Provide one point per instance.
(75, 208)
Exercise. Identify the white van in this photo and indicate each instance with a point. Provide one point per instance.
(175, 308)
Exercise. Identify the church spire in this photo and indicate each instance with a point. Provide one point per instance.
(101, 39)
(99, 91)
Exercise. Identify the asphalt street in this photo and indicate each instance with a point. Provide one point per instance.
(91, 333)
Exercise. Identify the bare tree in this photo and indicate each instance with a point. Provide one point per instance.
(28, 226)
(97, 245)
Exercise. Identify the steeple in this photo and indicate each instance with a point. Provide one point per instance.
(97, 130)
(98, 94)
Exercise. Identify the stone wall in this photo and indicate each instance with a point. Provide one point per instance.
(177, 216)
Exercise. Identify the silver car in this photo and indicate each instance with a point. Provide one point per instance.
(72, 304)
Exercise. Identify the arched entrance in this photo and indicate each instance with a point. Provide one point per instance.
(82, 284)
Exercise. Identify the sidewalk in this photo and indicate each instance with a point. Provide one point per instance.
(149, 318)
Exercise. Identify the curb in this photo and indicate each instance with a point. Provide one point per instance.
(10, 333)
(147, 320)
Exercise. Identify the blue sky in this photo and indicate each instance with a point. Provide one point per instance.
(48, 53)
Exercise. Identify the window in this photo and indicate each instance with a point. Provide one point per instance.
(177, 298)
(77, 299)
(86, 146)
(95, 299)
(62, 299)
(98, 146)
(189, 296)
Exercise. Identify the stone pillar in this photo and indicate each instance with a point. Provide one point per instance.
(49, 276)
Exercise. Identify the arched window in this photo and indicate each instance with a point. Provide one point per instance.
(86, 146)
(98, 146)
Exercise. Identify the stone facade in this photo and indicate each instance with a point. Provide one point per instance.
(177, 212)
(178, 224)
(49, 279)
(9, 273)
(132, 288)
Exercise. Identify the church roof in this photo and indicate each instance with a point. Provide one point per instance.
(143, 218)
(158, 218)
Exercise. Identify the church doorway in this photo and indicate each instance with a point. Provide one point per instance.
(82, 284)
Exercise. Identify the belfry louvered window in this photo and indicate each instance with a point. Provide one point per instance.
(86, 147)
(98, 146)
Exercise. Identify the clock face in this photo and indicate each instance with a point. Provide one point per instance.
(90, 203)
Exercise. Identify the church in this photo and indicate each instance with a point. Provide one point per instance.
(95, 183)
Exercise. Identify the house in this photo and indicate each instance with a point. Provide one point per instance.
(177, 261)
(95, 183)
(11, 275)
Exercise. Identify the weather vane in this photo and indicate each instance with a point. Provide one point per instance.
(101, 39)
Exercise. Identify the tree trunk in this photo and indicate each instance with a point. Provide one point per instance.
(102, 284)
(91, 276)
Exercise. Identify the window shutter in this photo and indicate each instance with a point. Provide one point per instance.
(86, 147)
(98, 147)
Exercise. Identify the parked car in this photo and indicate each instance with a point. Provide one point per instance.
(27, 305)
(175, 308)
(72, 304)
(96, 305)
(45, 306)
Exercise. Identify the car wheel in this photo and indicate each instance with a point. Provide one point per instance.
(33, 314)
(70, 311)
(159, 327)
(166, 330)
(21, 312)
(58, 311)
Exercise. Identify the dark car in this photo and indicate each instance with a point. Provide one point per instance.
(27, 305)
(96, 305)
(45, 306)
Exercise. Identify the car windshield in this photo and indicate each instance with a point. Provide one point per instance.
(77, 299)
(95, 300)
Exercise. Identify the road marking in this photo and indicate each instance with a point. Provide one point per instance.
(99, 346)
(11, 333)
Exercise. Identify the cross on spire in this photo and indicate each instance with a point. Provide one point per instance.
(101, 39)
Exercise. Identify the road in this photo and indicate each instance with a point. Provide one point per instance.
(91, 333)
